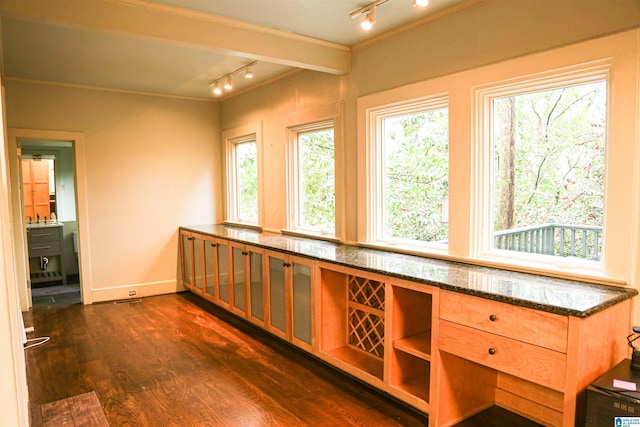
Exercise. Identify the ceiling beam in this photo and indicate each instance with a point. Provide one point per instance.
(145, 19)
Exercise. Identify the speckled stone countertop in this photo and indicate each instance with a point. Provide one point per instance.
(564, 297)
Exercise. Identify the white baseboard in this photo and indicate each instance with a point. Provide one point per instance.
(140, 290)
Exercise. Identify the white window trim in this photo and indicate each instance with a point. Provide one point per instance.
(482, 241)
(622, 184)
(230, 137)
(374, 200)
(371, 163)
(308, 120)
(293, 179)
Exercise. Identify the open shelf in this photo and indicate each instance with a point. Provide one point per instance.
(359, 359)
(418, 345)
(410, 364)
(47, 276)
(352, 319)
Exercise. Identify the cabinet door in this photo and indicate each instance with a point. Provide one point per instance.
(210, 273)
(302, 314)
(187, 259)
(239, 297)
(256, 287)
(198, 263)
(223, 273)
(277, 295)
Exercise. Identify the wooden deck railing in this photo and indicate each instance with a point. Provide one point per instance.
(563, 240)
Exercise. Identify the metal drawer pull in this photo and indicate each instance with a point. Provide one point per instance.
(41, 247)
(492, 317)
(41, 235)
(492, 350)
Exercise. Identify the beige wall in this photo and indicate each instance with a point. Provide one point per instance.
(151, 165)
(483, 33)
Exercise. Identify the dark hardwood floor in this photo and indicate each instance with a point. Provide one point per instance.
(176, 360)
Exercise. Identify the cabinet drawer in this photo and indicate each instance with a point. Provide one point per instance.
(44, 235)
(535, 327)
(536, 364)
(44, 248)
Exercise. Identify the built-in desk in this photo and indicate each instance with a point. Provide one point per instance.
(46, 240)
(448, 338)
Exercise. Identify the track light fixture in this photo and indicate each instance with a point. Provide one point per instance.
(226, 81)
(369, 20)
(370, 11)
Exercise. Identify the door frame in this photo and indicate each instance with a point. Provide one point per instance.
(14, 137)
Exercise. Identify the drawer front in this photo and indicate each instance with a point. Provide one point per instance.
(538, 365)
(533, 326)
(44, 248)
(44, 235)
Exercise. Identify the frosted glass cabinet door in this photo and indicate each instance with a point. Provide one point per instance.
(209, 272)
(255, 284)
(198, 268)
(277, 303)
(223, 272)
(302, 302)
(186, 260)
(239, 292)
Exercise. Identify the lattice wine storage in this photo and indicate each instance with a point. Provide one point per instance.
(352, 311)
(366, 315)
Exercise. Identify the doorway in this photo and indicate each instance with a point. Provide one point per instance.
(49, 215)
(69, 205)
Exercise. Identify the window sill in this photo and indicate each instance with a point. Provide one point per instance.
(242, 225)
(310, 235)
(561, 269)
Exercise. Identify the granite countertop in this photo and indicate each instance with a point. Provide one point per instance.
(564, 297)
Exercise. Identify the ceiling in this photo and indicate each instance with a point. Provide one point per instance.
(179, 47)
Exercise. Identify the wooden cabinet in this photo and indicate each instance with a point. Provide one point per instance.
(410, 319)
(446, 353)
(352, 315)
(193, 263)
(247, 294)
(528, 361)
(379, 330)
(226, 273)
(289, 298)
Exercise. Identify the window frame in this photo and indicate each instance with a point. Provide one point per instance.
(232, 138)
(293, 178)
(620, 245)
(328, 113)
(552, 79)
(375, 200)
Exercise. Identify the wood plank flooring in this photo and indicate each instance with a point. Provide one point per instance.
(176, 360)
(83, 410)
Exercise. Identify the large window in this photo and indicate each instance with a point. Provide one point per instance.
(242, 180)
(548, 142)
(409, 168)
(312, 193)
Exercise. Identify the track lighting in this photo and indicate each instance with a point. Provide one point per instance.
(370, 10)
(226, 82)
(369, 20)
